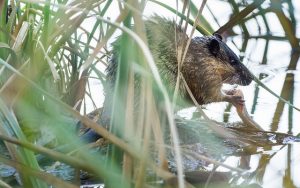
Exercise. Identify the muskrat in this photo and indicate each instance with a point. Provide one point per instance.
(208, 64)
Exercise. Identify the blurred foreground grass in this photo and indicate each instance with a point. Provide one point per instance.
(50, 49)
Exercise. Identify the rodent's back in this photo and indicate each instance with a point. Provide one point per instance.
(161, 42)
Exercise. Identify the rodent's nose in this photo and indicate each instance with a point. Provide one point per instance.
(247, 80)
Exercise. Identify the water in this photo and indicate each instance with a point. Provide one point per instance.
(271, 166)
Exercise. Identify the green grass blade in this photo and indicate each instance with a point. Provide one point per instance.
(202, 29)
(25, 156)
(202, 19)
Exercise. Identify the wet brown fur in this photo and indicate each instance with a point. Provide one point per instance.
(203, 70)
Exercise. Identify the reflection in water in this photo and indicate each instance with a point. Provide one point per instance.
(287, 94)
(259, 153)
(274, 170)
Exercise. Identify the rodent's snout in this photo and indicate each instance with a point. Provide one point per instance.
(246, 78)
(246, 82)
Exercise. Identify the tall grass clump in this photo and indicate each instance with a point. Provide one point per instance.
(49, 53)
(47, 56)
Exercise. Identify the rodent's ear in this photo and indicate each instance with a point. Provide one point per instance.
(214, 46)
(218, 36)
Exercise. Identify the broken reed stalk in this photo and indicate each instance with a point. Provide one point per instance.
(129, 127)
(141, 170)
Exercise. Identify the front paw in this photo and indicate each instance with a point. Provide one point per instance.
(235, 97)
(237, 100)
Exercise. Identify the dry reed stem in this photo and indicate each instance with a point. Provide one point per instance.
(4, 185)
(10, 84)
(192, 32)
(159, 138)
(181, 54)
(104, 40)
(237, 18)
(146, 140)
(12, 149)
(129, 126)
(141, 105)
(48, 178)
(204, 158)
(51, 153)
(210, 160)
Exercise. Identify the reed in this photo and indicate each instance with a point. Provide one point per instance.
(49, 53)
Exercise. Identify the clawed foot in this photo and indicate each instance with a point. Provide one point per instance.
(235, 97)
(237, 100)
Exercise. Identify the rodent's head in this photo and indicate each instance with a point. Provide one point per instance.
(234, 72)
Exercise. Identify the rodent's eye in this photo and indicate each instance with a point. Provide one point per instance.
(214, 46)
(218, 36)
